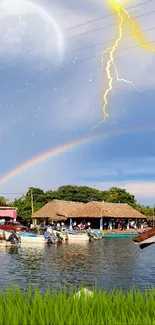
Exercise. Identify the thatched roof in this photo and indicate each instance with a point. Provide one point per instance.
(58, 210)
(110, 210)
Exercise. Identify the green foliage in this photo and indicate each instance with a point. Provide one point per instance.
(119, 195)
(51, 195)
(109, 308)
(23, 207)
(24, 204)
(3, 202)
(148, 211)
(76, 194)
(38, 195)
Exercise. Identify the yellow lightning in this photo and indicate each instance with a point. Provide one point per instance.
(124, 80)
(123, 19)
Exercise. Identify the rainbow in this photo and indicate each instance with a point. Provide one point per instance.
(70, 145)
(45, 155)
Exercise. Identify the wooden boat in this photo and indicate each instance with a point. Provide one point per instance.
(145, 239)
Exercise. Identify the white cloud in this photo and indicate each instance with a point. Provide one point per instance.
(21, 32)
(141, 189)
(66, 169)
(144, 191)
(139, 169)
(79, 109)
(133, 64)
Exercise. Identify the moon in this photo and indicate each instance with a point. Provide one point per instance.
(17, 8)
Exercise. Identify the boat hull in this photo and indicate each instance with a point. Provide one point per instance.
(4, 243)
(119, 235)
(78, 238)
(150, 240)
(75, 237)
(27, 238)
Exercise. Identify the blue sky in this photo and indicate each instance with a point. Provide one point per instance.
(48, 98)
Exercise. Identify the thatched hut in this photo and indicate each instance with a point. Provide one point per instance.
(96, 211)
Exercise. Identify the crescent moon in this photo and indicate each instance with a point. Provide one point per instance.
(17, 7)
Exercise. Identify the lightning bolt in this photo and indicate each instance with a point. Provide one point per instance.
(124, 80)
(123, 18)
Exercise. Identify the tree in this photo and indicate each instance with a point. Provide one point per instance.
(24, 204)
(148, 211)
(39, 197)
(23, 208)
(52, 195)
(76, 193)
(119, 195)
(73, 193)
(3, 202)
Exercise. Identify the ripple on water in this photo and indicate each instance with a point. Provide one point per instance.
(107, 263)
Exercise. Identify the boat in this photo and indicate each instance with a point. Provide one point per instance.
(5, 243)
(29, 238)
(97, 234)
(120, 235)
(54, 238)
(12, 240)
(145, 239)
(75, 236)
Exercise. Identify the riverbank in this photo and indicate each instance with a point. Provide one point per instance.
(103, 307)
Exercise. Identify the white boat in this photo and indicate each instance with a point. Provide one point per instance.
(28, 238)
(75, 236)
(78, 237)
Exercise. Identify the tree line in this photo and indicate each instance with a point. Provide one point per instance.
(72, 193)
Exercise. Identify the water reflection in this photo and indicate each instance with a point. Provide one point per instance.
(108, 263)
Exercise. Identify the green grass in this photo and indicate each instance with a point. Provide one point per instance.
(109, 308)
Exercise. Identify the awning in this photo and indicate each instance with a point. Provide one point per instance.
(8, 213)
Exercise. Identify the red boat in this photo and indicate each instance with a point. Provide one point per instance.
(14, 225)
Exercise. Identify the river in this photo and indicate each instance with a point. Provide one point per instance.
(107, 263)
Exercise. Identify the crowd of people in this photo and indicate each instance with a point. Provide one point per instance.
(83, 225)
(123, 224)
(44, 226)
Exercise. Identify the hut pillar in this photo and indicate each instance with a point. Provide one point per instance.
(128, 224)
(70, 226)
(101, 223)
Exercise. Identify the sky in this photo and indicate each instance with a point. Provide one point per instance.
(51, 93)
